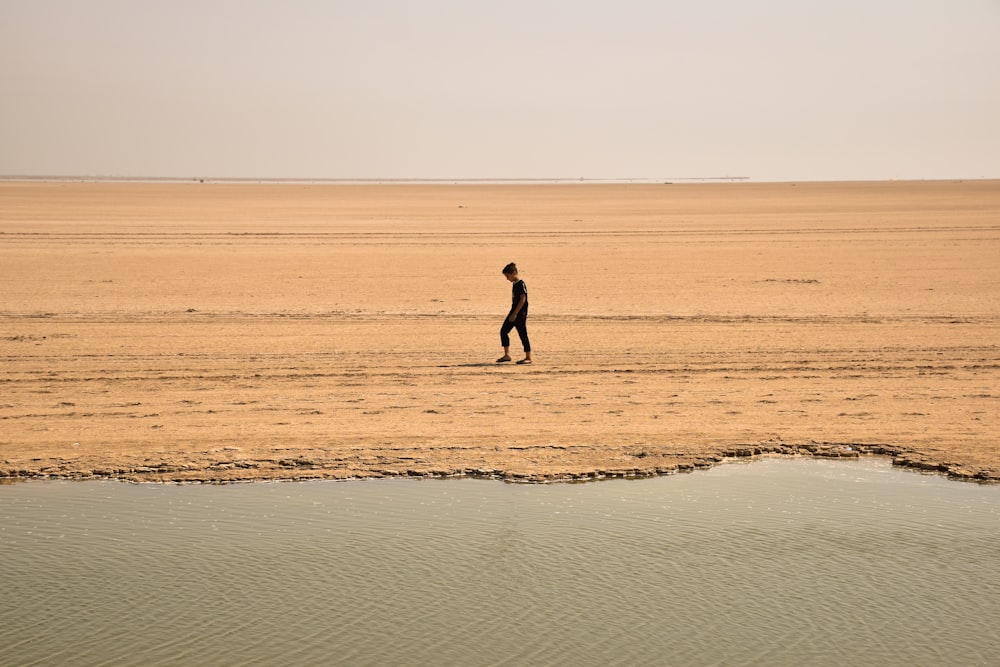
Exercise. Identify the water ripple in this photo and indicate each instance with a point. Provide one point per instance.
(772, 563)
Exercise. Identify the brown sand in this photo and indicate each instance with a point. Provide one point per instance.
(235, 331)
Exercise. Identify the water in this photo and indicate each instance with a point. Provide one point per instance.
(775, 562)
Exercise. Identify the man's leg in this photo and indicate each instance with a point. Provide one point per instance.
(505, 339)
(522, 332)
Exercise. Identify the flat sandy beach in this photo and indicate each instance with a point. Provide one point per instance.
(222, 332)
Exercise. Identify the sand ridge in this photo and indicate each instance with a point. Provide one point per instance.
(216, 332)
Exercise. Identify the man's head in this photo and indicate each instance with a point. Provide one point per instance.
(510, 271)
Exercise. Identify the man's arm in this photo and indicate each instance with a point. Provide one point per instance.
(517, 309)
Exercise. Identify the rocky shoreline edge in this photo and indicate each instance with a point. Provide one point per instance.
(232, 469)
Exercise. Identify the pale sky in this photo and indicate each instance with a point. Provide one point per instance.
(772, 89)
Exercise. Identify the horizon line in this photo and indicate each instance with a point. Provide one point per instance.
(254, 179)
(235, 180)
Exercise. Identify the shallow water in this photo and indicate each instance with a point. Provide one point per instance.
(776, 562)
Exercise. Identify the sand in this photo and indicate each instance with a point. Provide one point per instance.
(217, 332)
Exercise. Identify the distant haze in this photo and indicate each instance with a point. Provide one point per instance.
(651, 89)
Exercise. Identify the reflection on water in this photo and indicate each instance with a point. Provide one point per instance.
(771, 563)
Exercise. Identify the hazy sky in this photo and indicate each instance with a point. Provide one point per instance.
(772, 89)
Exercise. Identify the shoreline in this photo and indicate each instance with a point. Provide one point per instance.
(301, 469)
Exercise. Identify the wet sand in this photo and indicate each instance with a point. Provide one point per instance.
(221, 332)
